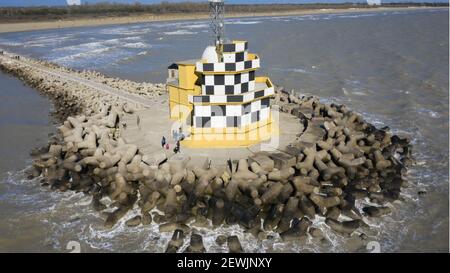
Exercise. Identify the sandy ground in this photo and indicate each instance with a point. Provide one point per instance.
(29, 26)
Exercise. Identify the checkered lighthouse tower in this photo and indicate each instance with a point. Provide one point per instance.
(219, 97)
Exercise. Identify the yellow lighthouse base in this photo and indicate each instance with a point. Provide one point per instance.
(232, 137)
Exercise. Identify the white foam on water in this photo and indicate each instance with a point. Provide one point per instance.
(167, 24)
(82, 47)
(180, 32)
(81, 55)
(240, 22)
(344, 90)
(359, 15)
(70, 215)
(299, 70)
(196, 26)
(136, 45)
(428, 112)
(137, 30)
(6, 42)
(133, 38)
(43, 41)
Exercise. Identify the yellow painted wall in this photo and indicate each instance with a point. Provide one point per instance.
(178, 101)
(186, 76)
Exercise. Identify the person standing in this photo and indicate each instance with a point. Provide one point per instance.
(177, 147)
(163, 141)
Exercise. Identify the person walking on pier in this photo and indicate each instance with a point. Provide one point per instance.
(138, 122)
(163, 141)
(177, 147)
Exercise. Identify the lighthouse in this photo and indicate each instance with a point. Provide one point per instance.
(219, 99)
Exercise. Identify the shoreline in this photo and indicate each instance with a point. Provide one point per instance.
(120, 20)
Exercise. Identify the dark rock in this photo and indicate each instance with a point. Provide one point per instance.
(376, 211)
(196, 244)
(283, 160)
(133, 222)
(422, 192)
(176, 242)
(146, 218)
(234, 245)
(221, 239)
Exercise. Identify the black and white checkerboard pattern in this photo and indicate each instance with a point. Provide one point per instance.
(237, 46)
(227, 67)
(226, 116)
(235, 57)
(241, 98)
(228, 84)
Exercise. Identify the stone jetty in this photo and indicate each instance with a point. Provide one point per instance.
(335, 161)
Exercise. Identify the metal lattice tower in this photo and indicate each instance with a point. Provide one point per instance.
(216, 14)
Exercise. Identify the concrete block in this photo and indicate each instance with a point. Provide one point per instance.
(293, 150)
(266, 163)
(283, 160)
(289, 107)
(154, 159)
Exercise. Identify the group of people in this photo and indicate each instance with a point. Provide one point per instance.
(178, 136)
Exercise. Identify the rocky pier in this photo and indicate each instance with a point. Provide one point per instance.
(337, 160)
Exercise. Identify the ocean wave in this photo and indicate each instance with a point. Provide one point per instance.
(43, 41)
(428, 112)
(300, 70)
(136, 45)
(239, 22)
(357, 15)
(81, 55)
(132, 38)
(196, 26)
(143, 53)
(180, 32)
(5, 42)
(139, 30)
(90, 45)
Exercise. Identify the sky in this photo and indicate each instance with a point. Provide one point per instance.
(64, 2)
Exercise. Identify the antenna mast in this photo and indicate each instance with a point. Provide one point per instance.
(216, 14)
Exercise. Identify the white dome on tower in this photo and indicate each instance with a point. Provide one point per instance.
(210, 55)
